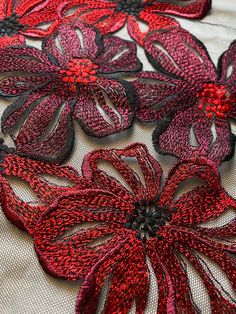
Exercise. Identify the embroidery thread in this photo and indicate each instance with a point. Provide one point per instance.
(80, 80)
(188, 93)
(111, 16)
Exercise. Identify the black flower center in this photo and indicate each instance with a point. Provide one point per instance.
(10, 26)
(147, 219)
(131, 7)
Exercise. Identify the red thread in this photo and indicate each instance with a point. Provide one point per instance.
(215, 100)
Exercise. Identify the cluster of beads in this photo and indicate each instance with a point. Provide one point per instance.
(215, 100)
(80, 71)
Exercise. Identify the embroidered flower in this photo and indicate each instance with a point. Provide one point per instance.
(188, 94)
(43, 182)
(77, 79)
(24, 18)
(107, 232)
(110, 16)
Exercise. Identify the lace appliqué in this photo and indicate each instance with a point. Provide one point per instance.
(32, 174)
(104, 230)
(79, 79)
(188, 96)
(25, 18)
(110, 16)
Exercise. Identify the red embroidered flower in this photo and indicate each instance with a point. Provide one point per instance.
(70, 78)
(107, 231)
(46, 181)
(19, 18)
(111, 15)
(188, 94)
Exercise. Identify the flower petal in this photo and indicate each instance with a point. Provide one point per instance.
(106, 108)
(45, 134)
(227, 68)
(106, 20)
(36, 139)
(17, 85)
(189, 9)
(25, 214)
(193, 247)
(16, 111)
(202, 204)
(150, 171)
(179, 54)
(153, 22)
(15, 40)
(25, 59)
(173, 136)
(118, 55)
(70, 253)
(174, 293)
(90, 290)
(128, 283)
(158, 95)
(226, 231)
(203, 169)
(34, 15)
(71, 46)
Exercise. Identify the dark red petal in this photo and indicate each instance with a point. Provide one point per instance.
(165, 289)
(201, 168)
(70, 253)
(21, 213)
(71, 45)
(175, 293)
(25, 60)
(17, 85)
(47, 131)
(201, 205)
(150, 170)
(189, 9)
(180, 55)
(227, 68)
(128, 283)
(159, 95)
(44, 135)
(105, 108)
(172, 136)
(16, 111)
(118, 55)
(225, 231)
(186, 241)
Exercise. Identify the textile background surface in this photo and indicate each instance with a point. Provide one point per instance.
(24, 287)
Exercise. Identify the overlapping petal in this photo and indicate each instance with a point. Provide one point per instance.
(86, 233)
(32, 174)
(110, 16)
(77, 74)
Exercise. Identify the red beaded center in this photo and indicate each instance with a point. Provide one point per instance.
(215, 100)
(82, 71)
